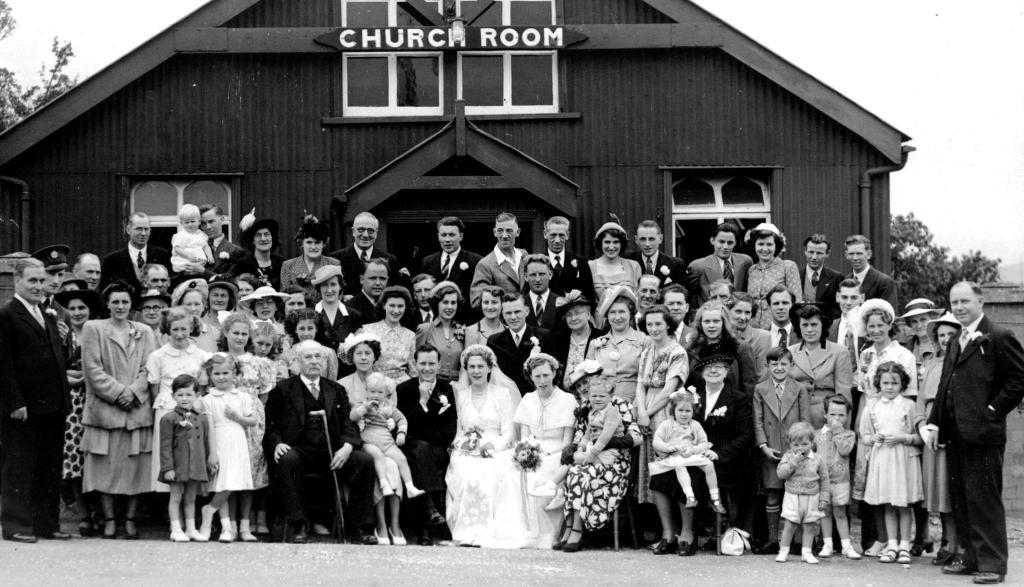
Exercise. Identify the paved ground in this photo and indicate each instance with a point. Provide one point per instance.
(157, 562)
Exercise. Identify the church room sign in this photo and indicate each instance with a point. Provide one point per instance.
(501, 38)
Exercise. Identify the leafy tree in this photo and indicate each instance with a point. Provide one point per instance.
(16, 102)
(924, 269)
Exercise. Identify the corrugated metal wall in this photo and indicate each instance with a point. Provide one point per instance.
(260, 115)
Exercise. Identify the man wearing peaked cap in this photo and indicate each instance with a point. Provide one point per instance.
(55, 261)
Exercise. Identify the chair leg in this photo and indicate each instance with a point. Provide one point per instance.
(718, 532)
(632, 523)
(615, 529)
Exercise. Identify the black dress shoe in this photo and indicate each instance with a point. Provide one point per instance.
(988, 578)
(299, 537)
(957, 567)
(21, 537)
(56, 536)
(366, 538)
(687, 548)
(435, 518)
(666, 547)
(425, 541)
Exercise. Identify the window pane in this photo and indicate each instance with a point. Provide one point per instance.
(482, 80)
(492, 17)
(740, 191)
(418, 81)
(156, 198)
(691, 191)
(532, 80)
(367, 81)
(366, 14)
(693, 237)
(208, 192)
(531, 12)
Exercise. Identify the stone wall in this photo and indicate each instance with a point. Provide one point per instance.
(1005, 305)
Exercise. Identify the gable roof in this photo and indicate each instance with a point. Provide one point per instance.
(59, 112)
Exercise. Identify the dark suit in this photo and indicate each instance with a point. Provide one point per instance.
(288, 422)
(546, 321)
(511, 357)
(366, 307)
(227, 256)
(704, 271)
(462, 277)
(979, 386)
(574, 274)
(878, 285)
(32, 376)
(331, 335)
(674, 267)
(120, 265)
(352, 267)
(825, 292)
(431, 432)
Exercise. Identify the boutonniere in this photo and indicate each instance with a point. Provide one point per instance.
(574, 263)
(223, 255)
(460, 332)
(600, 342)
(185, 423)
(463, 266)
(133, 332)
(720, 412)
(664, 270)
(51, 312)
(534, 341)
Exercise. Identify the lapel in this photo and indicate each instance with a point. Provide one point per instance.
(974, 345)
(869, 282)
(454, 273)
(111, 334)
(328, 397)
(788, 398)
(525, 341)
(715, 267)
(508, 270)
(26, 316)
(802, 361)
(772, 400)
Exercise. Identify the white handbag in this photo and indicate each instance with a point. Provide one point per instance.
(734, 542)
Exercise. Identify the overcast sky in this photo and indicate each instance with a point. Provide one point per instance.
(942, 71)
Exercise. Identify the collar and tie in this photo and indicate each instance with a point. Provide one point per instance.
(314, 388)
(517, 337)
(37, 314)
(140, 261)
(365, 256)
(649, 266)
(783, 338)
(965, 338)
(780, 389)
(727, 270)
(557, 265)
(538, 306)
(446, 266)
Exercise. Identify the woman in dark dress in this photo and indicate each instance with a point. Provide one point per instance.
(573, 331)
(262, 239)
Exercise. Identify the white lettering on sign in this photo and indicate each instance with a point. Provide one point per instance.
(395, 38)
(554, 37)
(345, 39)
(531, 37)
(371, 38)
(509, 37)
(488, 38)
(436, 38)
(415, 38)
(441, 38)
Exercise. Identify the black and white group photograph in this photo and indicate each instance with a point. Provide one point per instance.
(532, 292)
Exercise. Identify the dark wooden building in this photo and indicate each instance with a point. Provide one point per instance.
(642, 108)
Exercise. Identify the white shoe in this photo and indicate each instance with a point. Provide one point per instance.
(876, 549)
(386, 490)
(781, 558)
(809, 558)
(320, 530)
(226, 534)
(179, 536)
(825, 552)
(850, 553)
(197, 536)
(412, 491)
(382, 539)
(398, 540)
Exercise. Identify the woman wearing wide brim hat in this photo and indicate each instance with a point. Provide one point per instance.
(573, 331)
(612, 268)
(261, 237)
(89, 297)
(916, 316)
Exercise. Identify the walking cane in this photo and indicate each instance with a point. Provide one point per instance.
(338, 528)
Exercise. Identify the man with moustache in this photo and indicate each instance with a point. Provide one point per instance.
(502, 267)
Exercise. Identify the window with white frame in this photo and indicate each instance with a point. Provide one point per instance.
(389, 84)
(510, 82)
(701, 199)
(162, 198)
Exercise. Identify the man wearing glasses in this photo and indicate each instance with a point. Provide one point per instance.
(363, 248)
(503, 266)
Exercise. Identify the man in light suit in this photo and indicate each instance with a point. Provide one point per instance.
(873, 283)
(452, 263)
(126, 264)
(722, 264)
(666, 268)
(539, 295)
(569, 271)
(502, 267)
(33, 403)
(516, 343)
(226, 254)
(982, 381)
(364, 247)
(820, 283)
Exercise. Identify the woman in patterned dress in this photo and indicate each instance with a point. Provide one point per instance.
(447, 335)
(256, 376)
(312, 238)
(594, 490)
(770, 270)
(82, 305)
(619, 350)
(397, 342)
(663, 369)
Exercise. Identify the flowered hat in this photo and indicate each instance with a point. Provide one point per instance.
(723, 351)
(313, 228)
(569, 301)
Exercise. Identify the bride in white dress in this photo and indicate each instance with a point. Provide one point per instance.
(485, 402)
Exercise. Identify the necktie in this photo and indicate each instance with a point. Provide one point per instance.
(45, 304)
(783, 339)
(727, 270)
(779, 390)
(446, 267)
(814, 279)
(538, 307)
(516, 338)
(428, 316)
(558, 263)
(848, 341)
(37, 315)
(139, 261)
(314, 388)
(965, 337)
(649, 267)
(366, 256)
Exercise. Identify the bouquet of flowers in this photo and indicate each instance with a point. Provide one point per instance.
(472, 443)
(526, 455)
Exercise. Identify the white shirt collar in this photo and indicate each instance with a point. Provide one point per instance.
(710, 400)
(452, 256)
(309, 382)
(654, 258)
(518, 333)
(514, 261)
(811, 271)
(543, 297)
(135, 251)
(28, 305)
(860, 276)
(556, 257)
(972, 327)
(775, 329)
(216, 241)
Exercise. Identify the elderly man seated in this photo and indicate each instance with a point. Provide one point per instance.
(297, 442)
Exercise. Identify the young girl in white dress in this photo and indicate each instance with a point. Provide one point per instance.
(230, 412)
(680, 443)
(889, 426)
(189, 245)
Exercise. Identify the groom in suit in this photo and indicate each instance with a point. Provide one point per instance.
(33, 403)
(666, 268)
(503, 266)
(821, 284)
(569, 271)
(722, 264)
(982, 381)
(452, 262)
(516, 343)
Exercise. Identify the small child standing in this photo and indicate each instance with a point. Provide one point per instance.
(778, 403)
(807, 491)
(894, 464)
(188, 456)
(189, 245)
(835, 443)
(230, 412)
(681, 443)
